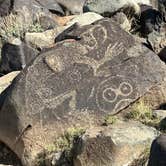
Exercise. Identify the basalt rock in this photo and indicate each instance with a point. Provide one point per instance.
(158, 152)
(16, 57)
(76, 83)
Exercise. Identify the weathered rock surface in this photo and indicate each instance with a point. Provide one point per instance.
(62, 7)
(6, 80)
(43, 39)
(75, 84)
(47, 23)
(157, 41)
(72, 6)
(116, 145)
(122, 20)
(158, 152)
(156, 96)
(16, 56)
(112, 6)
(162, 8)
(85, 19)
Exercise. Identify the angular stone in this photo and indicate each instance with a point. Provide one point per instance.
(76, 83)
(6, 80)
(85, 19)
(112, 6)
(116, 145)
(161, 114)
(16, 56)
(72, 6)
(43, 39)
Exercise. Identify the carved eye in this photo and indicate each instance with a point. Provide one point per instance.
(126, 89)
(109, 95)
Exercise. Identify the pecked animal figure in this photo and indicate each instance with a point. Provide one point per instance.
(76, 83)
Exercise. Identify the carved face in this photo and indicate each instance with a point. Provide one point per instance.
(115, 93)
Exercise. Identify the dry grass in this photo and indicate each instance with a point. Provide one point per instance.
(14, 26)
(143, 113)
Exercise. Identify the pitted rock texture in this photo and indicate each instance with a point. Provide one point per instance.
(76, 83)
(116, 145)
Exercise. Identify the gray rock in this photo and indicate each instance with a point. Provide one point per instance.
(116, 145)
(5, 7)
(47, 23)
(72, 6)
(85, 19)
(112, 6)
(157, 40)
(162, 7)
(76, 83)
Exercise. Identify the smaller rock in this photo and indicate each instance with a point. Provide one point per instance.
(94, 149)
(5, 7)
(162, 54)
(150, 20)
(56, 157)
(158, 152)
(84, 19)
(157, 41)
(123, 21)
(117, 145)
(62, 21)
(43, 39)
(47, 23)
(161, 114)
(16, 55)
(6, 80)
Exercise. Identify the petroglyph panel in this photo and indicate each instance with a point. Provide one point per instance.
(76, 84)
(71, 77)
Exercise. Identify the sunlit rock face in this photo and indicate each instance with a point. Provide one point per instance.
(76, 83)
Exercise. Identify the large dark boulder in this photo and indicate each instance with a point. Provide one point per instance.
(158, 152)
(76, 83)
(16, 57)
